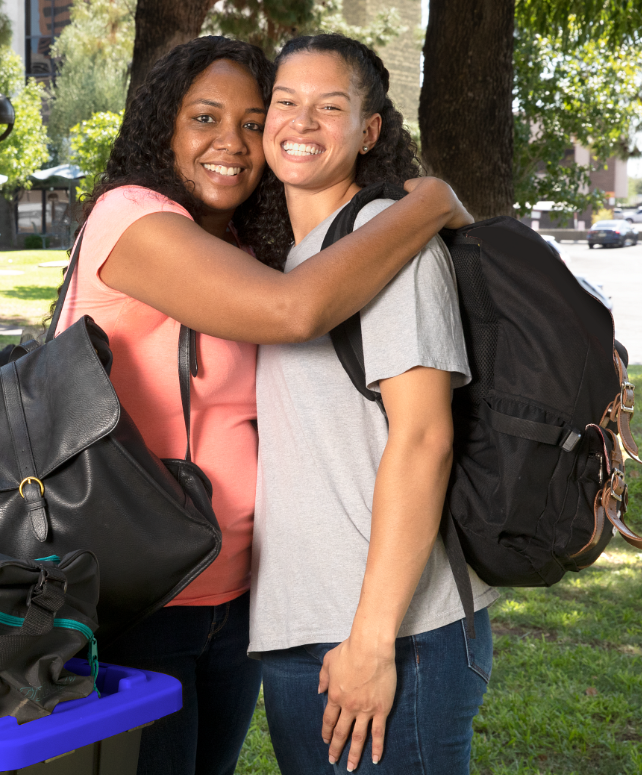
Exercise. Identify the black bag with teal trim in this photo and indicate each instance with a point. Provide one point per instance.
(47, 615)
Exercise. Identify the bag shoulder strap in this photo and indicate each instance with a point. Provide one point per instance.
(346, 337)
(187, 359)
(65, 286)
(187, 368)
(348, 344)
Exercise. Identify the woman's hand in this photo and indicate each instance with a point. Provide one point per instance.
(361, 683)
(459, 215)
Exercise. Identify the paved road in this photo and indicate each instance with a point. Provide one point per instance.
(620, 272)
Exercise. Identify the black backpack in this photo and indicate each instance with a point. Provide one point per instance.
(537, 485)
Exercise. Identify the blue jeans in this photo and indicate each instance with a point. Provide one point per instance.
(205, 647)
(441, 681)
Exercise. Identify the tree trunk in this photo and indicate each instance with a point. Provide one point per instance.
(161, 25)
(465, 109)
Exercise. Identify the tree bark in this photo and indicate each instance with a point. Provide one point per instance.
(465, 108)
(161, 25)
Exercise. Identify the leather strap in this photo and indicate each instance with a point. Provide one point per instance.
(65, 286)
(621, 409)
(598, 527)
(35, 503)
(625, 409)
(23, 349)
(613, 498)
(459, 567)
(187, 367)
(556, 435)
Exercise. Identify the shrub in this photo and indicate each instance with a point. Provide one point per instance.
(34, 242)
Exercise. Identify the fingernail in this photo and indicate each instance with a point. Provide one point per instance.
(375, 760)
(350, 768)
(332, 760)
(326, 741)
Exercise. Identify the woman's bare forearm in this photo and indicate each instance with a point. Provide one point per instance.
(168, 262)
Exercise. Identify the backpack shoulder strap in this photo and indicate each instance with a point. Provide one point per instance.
(348, 344)
(346, 337)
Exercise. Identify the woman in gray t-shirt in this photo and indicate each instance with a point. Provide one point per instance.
(354, 609)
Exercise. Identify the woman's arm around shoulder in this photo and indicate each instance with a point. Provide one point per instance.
(168, 262)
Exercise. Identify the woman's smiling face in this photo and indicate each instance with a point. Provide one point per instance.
(315, 128)
(217, 140)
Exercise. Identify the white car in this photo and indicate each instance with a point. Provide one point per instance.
(634, 216)
(595, 289)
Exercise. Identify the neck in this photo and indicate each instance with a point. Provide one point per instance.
(308, 208)
(215, 223)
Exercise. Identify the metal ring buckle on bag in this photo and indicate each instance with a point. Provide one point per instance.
(626, 386)
(618, 485)
(28, 480)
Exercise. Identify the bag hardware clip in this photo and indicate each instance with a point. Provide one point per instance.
(626, 387)
(28, 480)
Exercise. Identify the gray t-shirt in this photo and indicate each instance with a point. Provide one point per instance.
(320, 443)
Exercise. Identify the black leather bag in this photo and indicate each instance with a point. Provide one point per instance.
(75, 473)
(47, 615)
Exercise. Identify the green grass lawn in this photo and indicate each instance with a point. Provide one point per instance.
(25, 298)
(566, 693)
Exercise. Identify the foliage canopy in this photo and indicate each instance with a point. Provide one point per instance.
(96, 52)
(617, 22)
(270, 23)
(91, 143)
(587, 94)
(25, 150)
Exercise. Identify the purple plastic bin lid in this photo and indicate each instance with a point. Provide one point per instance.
(129, 699)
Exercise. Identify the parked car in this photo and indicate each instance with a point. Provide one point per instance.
(635, 216)
(612, 234)
(595, 289)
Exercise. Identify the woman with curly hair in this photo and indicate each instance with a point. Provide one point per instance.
(354, 609)
(163, 246)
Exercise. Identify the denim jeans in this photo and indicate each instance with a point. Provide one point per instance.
(205, 647)
(441, 681)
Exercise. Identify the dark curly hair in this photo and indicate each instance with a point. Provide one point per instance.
(142, 153)
(393, 157)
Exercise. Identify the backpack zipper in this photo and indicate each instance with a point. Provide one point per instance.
(68, 624)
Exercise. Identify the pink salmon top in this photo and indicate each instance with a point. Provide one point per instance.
(144, 343)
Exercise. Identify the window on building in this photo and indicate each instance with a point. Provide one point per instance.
(44, 21)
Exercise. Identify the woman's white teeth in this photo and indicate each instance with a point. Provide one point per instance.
(298, 149)
(222, 170)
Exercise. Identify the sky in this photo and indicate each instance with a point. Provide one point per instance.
(634, 166)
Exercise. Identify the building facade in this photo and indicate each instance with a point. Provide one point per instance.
(402, 56)
(36, 24)
(44, 209)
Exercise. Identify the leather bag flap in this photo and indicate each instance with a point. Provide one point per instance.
(68, 399)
